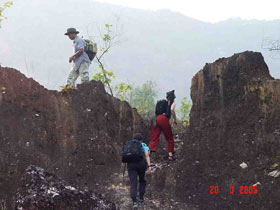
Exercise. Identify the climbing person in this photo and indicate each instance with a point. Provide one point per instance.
(80, 59)
(136, 155)
(164, 110)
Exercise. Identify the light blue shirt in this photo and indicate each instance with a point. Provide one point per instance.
(79, 43)
(145, 147)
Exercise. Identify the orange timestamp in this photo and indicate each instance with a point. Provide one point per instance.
(214, 190)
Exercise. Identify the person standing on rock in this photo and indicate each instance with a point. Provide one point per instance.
(80, 59)
(164, 110)
(137, 156)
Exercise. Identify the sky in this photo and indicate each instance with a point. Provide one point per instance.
(210, 10)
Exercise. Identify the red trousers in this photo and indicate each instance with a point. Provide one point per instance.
(164, 126)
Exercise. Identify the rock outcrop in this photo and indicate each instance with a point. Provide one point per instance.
(234, 136)
(78, 134)
(41, 190)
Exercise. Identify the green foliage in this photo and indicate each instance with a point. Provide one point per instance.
(123, 91)
(66, 88)
(143, 99)
(2, 9)
(104, 76)
(106, 37)
(108, 26)
(184, 110)
(103, 50)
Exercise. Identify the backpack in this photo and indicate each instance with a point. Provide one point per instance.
(132, 152)
(162, 108)
(91, 49)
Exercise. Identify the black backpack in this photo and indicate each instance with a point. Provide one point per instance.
(162, 108)
(132, 152)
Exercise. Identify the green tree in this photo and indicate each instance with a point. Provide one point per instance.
(184, 110)
(143, 98)
(3, 8)
(108, 40)
(105, 77)
(123, 92)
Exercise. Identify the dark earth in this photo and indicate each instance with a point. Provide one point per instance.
(42, 191)
(77, 135)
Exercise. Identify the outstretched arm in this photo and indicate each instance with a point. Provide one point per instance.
(147, 156)
(173, 113)
(174, 117)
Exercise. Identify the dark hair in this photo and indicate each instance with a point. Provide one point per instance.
(138, 136)
(171, 96)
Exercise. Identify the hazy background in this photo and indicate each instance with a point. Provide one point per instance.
(165, 46)
(210, 11)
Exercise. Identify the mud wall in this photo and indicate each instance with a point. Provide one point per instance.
(235, 118)
(76, 134)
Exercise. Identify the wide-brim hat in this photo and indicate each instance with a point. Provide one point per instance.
(71, 31)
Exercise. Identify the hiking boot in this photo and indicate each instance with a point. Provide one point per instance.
(141, 200)
(135, 206)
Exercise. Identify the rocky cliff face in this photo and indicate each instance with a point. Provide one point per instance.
(77, 134)
(235, 118)
(232, 140)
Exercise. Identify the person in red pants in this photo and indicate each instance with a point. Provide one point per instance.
(164, 110)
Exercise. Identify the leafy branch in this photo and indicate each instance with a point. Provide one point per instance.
(122, 91)
(108, 39)
(3, 8)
